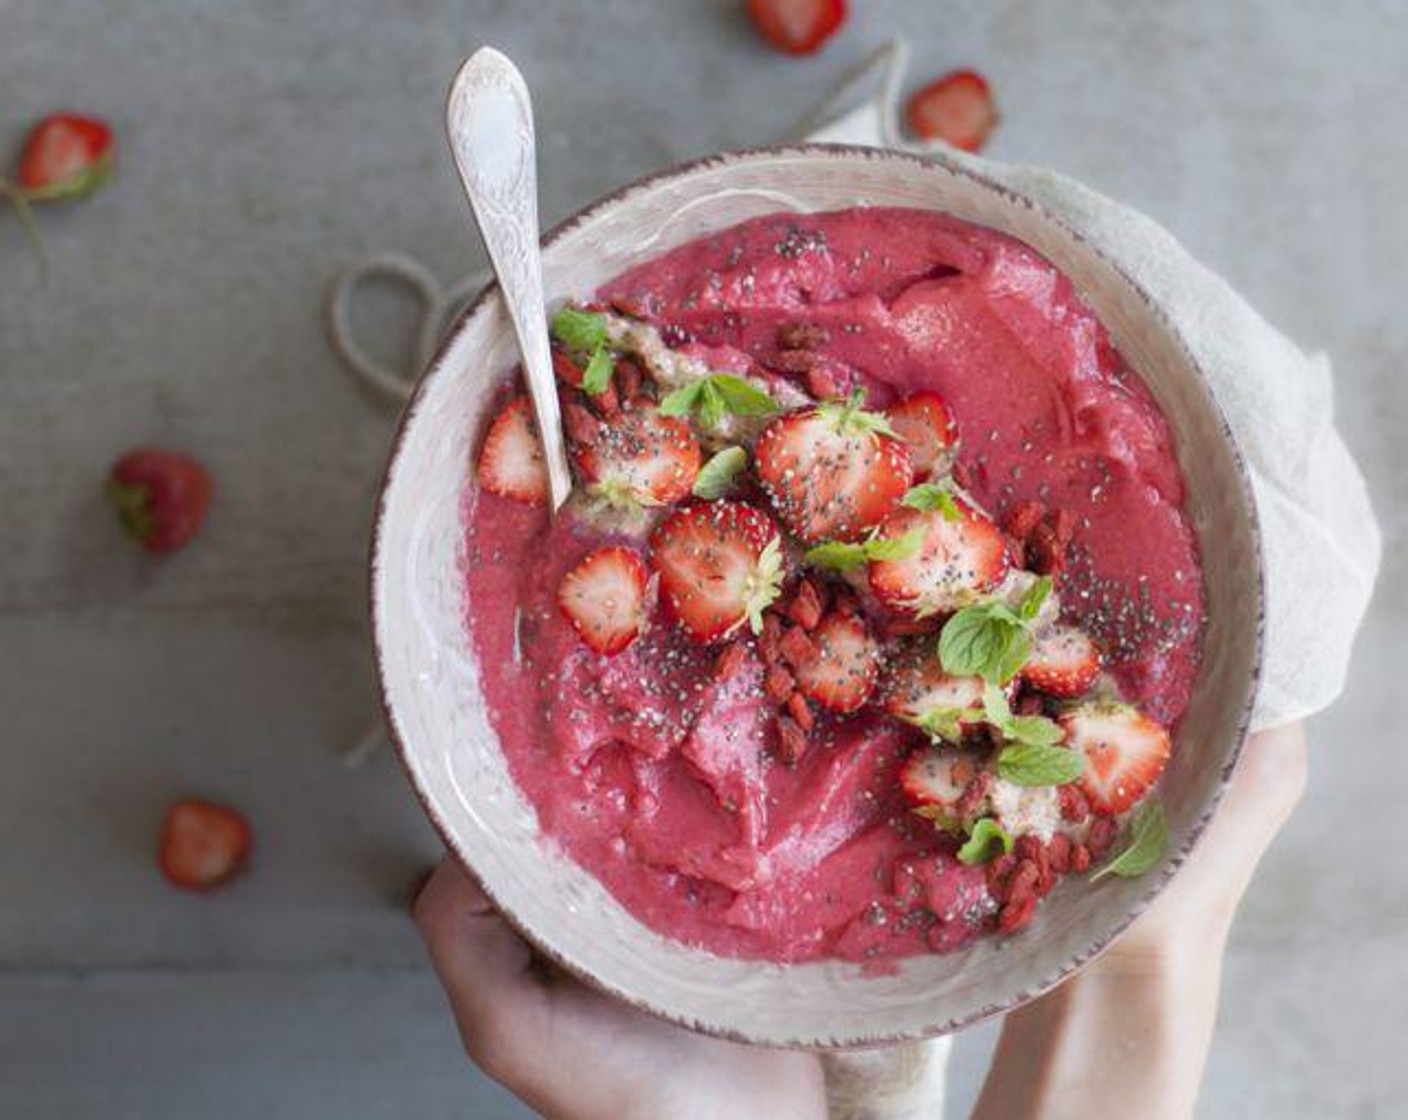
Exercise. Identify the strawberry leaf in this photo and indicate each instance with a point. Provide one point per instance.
(1148, 835)
(716, 477)
(979, 847)
(850, 418)
(931, 496)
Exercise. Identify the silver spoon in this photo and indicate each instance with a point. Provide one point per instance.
(489, 119)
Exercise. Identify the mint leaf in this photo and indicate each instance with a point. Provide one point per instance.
(837, 556)
(714, 395)
(1035, 596)
(1035, 730)
(1148, 834)
(895, 548)
(579, 330)
(683, 400)
(931, 496)
(740, 397)
(979, 846)
(597, 376)
(944, 723)
(1037, 764)
(842, 556)
(986, 640)
(715, 478)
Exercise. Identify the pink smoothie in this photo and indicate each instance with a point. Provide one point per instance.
(662, 781)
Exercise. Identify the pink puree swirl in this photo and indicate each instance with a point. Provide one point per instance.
(659, 780)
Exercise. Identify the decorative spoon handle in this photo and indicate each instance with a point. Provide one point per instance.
(489, 119)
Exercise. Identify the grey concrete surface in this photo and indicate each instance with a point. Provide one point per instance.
(265, 143)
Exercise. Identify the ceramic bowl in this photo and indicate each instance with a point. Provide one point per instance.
(432, 686)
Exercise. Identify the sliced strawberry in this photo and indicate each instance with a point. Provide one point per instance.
(640, 457)
(604, 598)
(720, 565)
(1064, 661)
(924, 423)
(956, 563)
(917, 687)
(843, 673)
(1125, 752)
(940, 782)
(161, 497)
(797, 26)
(511, 461)
(832, 471)
(203, 844)
(958, 108)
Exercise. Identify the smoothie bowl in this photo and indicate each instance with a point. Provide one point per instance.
(913, 581)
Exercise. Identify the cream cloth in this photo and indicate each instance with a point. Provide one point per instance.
(1322, 544)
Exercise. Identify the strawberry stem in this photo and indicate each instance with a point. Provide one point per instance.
(25, 214)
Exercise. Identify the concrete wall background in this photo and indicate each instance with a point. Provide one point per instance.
(266, 144)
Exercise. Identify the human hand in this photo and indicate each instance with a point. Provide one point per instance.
(571, 1052)
(1131, 1032)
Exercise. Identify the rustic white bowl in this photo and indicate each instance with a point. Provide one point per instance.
(432, 686)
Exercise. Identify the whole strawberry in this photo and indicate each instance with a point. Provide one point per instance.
(160, 496)
(66, 156)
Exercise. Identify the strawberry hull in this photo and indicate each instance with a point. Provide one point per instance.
(663, 776)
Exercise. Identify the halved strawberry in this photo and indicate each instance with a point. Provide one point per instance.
(843, 673)
(604, 598)
(797, 26)
(1063, 662)
(511, 461)
(203, 844)
(720, 565)
(956, 563)
(1125, 752)
(958, 108)
(640, 457)
(832, 471)
(66, 156)
(924, 423)
(918, 691)
(938, 783)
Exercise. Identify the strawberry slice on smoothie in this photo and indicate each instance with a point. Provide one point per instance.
(1125, 752)
(604, 598)
(959, 559)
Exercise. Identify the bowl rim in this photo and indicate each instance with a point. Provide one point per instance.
(436, 367)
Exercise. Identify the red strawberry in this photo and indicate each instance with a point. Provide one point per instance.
(720, 565)
(604, 598)
(1064, 662)
(640, 457)
(842, 675)
(957, 560)
(1125, 752)
(65, 157)
(924, 423)
(797, 26)
(934, 781)
(202, 844)
(161, 497)
(918, 687)
(958, 108)
(832, 471)
(511, 461)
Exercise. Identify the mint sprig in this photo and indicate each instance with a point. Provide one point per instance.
(991, 640)
(1148, 835)
(979, 847)
(844, 556)
(716, 477)
(946, 723)
(584, 331)
(711, 397)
